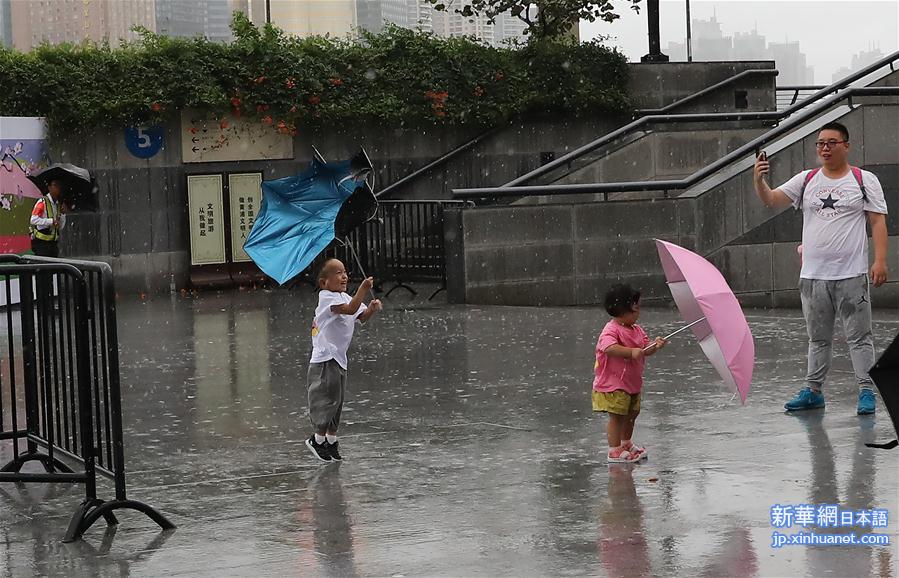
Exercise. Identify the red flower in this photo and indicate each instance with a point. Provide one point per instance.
(282, 124)
(290, 83)
(314, 99)
(260, 80)
(156, 107)
(267, 120)
(436, 96)
(478, 91)
(336, 82)
(235, 102)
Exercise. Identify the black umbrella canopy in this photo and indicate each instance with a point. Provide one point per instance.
(79, 186)
(362, 205)
(885, 374)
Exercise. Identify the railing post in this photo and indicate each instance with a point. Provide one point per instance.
(29, 357)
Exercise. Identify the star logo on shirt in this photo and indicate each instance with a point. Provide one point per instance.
(829, 202)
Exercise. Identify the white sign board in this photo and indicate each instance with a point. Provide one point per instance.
(245, 196)
(207, 223)
(205, 139)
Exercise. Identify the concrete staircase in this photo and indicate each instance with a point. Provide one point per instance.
(569, 253)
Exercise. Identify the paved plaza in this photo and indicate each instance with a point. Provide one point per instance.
(470, 450)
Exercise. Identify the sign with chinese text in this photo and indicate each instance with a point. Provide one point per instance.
(245, 195)
(207, 226)
(206, 139)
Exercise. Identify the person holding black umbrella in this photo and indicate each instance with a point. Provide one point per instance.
(47, 219)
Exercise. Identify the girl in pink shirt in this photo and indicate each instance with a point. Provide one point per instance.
(618, 372)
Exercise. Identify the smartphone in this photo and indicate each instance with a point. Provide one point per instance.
(762, 156)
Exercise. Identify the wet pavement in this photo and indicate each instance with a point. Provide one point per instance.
(470, 449)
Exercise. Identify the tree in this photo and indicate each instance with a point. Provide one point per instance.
(544, 18)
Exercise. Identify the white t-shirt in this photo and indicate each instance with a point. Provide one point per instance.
(332, 332)
(834, 237)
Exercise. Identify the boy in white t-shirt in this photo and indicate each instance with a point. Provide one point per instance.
(332, 331)
(837, 201)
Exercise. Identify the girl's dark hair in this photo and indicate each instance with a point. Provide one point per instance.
(620, 299)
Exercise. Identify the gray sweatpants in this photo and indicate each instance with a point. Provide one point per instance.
(326, 388)
(822, 302)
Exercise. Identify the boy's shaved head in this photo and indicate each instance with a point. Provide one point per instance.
(329, 267)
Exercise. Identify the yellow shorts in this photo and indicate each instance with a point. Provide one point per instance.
(618, 402)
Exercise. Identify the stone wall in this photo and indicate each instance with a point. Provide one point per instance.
(567, 254)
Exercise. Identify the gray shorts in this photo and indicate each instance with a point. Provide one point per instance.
(326, 388)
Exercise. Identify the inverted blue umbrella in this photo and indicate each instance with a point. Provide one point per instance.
(296, 218)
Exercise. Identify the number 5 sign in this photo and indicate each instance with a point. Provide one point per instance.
(144, 141)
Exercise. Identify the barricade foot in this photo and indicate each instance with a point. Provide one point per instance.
(50, 466)
(399, 285)
(92, 510)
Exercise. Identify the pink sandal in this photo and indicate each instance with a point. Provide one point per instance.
(622, 456)
(634, 449)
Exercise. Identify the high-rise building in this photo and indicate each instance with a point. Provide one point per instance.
(370, 15)
(511, 28)
(859, 61)
(791, 64)
(6, 23)
(710, 43)
(749, 46)
(186, 19)
(314, 17)
(57, 21)
(254, 9)
(451, 23)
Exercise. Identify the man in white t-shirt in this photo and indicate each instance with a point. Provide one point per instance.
(332, 330)
(836, 200)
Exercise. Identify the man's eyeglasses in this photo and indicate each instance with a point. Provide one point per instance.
(828, 143)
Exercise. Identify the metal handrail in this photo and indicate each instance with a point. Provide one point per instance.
(697, 117)
(709, 90)
(796, 90)
(698, 176)
(438, 161)
(801, 86)
(470, 144)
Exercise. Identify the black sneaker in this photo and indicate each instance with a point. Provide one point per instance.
(333, 450)
(320, 451)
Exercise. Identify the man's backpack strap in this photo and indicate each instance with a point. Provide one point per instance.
(856, 172)
(808, 177)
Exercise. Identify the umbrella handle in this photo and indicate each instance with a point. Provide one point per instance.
(670, 335)
(346, 241)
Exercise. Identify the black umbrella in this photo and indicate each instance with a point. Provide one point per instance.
(362, 206)
(79, 186)
(885, 374)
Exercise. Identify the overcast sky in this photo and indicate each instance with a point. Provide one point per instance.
(829, 32)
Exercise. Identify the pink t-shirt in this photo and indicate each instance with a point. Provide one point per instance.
(618, 373)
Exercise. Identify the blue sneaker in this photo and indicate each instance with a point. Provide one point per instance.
(865, 402)
(805, 399)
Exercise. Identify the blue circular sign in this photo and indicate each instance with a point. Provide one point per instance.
(144, 141)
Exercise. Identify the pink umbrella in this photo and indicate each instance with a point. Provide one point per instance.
(713, 313)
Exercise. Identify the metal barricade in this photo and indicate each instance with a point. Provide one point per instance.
(60, 394)
(403, 245)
